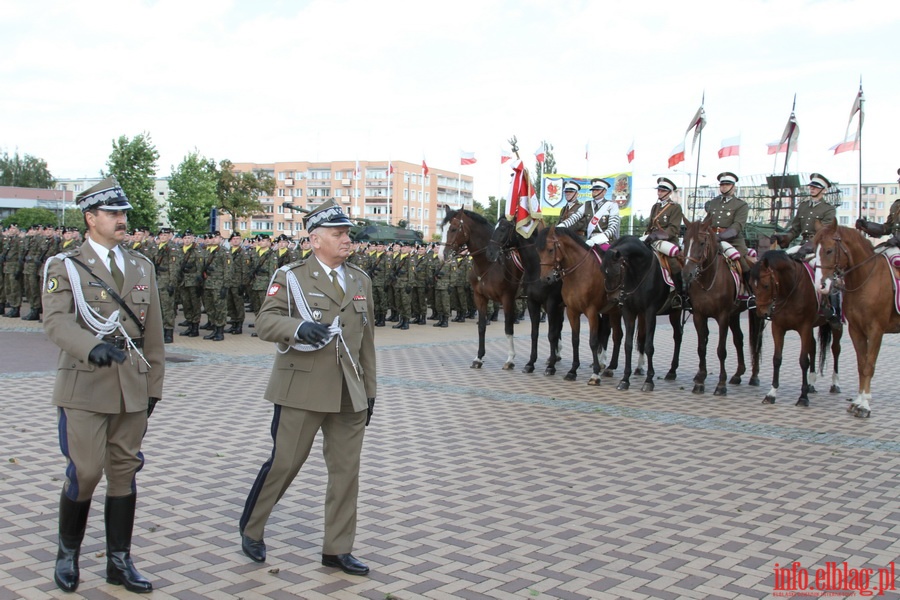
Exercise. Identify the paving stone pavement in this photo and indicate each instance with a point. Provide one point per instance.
(476, 483)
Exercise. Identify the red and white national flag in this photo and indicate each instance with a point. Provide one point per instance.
(790, 135)
(522, 195)
(677, 155)
(505, 155)
(630, 153)
(424, 168)
(850, 144)
(467, 158)
(541, 153)
(779, 147)
(390, 168)
(730, 147)
(851, 140)
(697, 124)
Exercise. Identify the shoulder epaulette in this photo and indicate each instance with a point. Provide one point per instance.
(138, 254)
(356, 268)
(293, 265)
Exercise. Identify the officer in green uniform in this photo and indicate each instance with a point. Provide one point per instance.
(191, 284)
(891, 225)
(727, 215)
(12, 271)
(664, 229)
(803, 225)
(215, 263)
(167, 260)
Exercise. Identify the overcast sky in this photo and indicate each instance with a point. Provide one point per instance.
(272, 80)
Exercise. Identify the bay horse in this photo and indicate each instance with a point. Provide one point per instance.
(786, 295)
(713, 291)
(847, 261)
(634, 280)
(564, 257)
(498, 281)
(508, 244)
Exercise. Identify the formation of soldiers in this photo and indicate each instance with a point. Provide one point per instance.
(223, 277)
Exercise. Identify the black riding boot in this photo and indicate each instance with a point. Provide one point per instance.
(72, 523)
(119, 518)
(167, 336)
(833, 310)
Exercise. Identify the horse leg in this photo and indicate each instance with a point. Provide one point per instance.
(836, 334)
(702, 328)
(625, 383)
(777, 347)
(509, 317)
(605, 328)
(594, 341)
(616, 325)
(555, 315)
(873, 346)
(642, 336)
(481, 305)
(650, 317)
(722, 354)
(677, 333)
(811, 386)
(575, 326)
(807, 358)
(756, 328)
(737, 339)
(534, 313)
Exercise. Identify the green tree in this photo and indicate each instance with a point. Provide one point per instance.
(238, 193)
(25, 171)
(26, 217)
(489, 212)
(549, 166)
(133, 162)
(192, 192)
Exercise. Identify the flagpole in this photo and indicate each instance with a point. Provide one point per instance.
(422, 203)
(390, 203)
(859, 116)
(697, 174)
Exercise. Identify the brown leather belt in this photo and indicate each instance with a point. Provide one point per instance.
(121, 344)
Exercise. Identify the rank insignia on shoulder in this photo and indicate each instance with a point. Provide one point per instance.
(273, 290)
(52, 284)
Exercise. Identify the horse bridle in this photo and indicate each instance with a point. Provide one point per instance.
(777, 285)
(712, 262)
(558, 269)
(837, 274)
(461, 226)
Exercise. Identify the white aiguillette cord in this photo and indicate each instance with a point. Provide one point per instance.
(101, 326)
(294, 289)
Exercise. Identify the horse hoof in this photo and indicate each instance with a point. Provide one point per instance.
(594, 380)
(769, 400)
(671, 376)
(509, 366)
(852, 407)
(528, 369)
(811, 389)
(862, 413)
(721, 391)
(699, 388)
(476, 364)
(802, 402)
(835, 389)
(754, 382)
(638, 371)
(648, 386)
(608, 373)
(736, 380)
(570, 377)
(623, 385)
(550, 371)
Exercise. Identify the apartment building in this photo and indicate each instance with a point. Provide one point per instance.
(382, 191)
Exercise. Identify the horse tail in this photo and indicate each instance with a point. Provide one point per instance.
(824, 343)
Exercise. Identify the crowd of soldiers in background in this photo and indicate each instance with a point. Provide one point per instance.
(224, 278)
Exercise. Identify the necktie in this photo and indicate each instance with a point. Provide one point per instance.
(337, 285)
(117, 275)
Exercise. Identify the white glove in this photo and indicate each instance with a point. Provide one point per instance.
(597, 238)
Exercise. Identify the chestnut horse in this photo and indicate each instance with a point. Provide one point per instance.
(565, 257)
(634, 280)
(508, 244)
(498, 281)
(847, 261)
(786, 295)
(713, 291)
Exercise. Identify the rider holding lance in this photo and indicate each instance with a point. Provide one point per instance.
(599, 218)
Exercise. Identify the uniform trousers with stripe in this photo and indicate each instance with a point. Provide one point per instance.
(293, 433)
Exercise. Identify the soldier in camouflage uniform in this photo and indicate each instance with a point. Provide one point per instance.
(237, 270)
(167, 261)
(402, 284)
(377, 268)
(215, 262)
(390, 296)
(191, 284)
(421, 281)
(4, 246)
(285, 255)
(12, 271)
(459, 281)
(264, 263)
(441, 274)
(39, 244)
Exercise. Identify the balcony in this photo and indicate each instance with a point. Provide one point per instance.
(289, 183)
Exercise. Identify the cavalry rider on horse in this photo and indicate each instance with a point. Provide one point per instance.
(804, 225)
(891, 226)
(664, 228)
(598, 219)
(727, 215)
(570, 191)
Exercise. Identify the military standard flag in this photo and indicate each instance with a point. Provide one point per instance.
(630, 153)
(505, 155)
(730, 147)
(467, 158)
(676, 155)
(541, 153)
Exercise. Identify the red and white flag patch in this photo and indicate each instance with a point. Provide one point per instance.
(273, 290)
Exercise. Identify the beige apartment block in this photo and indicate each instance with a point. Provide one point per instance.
(366, 189)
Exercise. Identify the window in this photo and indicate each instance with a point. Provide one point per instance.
(243, 225)
(281, 227)
(405, 212)
(297, 193)
(320, 175)
(281, 192)
(406, 194)
(844, 221)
